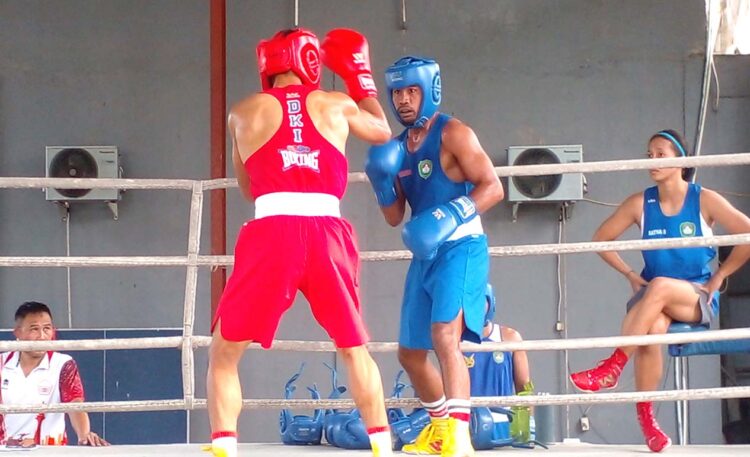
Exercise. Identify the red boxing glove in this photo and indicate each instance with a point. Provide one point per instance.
(347, 54)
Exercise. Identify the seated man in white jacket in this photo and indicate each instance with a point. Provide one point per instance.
(44, 378)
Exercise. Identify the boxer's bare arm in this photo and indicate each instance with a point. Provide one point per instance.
(394, 214)
(251, 123)
(243, 180)
(366, 120)
(468, 161)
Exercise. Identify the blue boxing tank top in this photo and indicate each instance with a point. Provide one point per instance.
(491, 373)
(690, 264)
(422, 177)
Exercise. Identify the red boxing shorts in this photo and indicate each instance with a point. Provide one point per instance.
(276, 256)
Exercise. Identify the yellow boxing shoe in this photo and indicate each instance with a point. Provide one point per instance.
(216, 452)
(456, 443)
(430, 439)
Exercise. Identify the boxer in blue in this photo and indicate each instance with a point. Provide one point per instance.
(495, 374)
(438, 166)
(675, 284)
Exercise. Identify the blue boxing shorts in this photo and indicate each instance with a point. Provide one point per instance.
(437, 289)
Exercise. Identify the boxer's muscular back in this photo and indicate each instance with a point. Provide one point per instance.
(256, 119)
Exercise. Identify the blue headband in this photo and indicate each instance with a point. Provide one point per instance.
(674, 141)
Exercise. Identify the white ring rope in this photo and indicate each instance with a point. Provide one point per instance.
(513, 400)
(326, 346)
(617, 165)
(97, 183)
(579, 247)
(495, 251)
(159, 342)
(96, 261)
(188, 342)
(717, 160)
(191, 287)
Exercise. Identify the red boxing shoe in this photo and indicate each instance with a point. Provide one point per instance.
(656, 439)
(604, 376)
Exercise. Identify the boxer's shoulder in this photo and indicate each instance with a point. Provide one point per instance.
(260, 100)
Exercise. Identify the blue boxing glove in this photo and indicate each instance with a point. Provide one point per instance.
(426, 231)
(346, 430)
(382, 166)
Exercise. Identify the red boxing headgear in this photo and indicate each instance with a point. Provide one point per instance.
(297, 50)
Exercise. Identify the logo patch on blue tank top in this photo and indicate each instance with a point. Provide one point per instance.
(425, 168)
(687, 229)
(498, 357)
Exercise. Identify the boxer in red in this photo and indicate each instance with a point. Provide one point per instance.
(288, 145)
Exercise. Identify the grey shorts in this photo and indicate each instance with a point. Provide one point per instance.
(708, 305)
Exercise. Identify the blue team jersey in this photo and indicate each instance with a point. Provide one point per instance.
(491, 373)
(422, 178)
(690, 264)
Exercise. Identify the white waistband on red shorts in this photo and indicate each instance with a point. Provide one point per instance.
(473, 227)
(296, 204)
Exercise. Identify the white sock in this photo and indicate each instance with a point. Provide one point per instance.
(382, 441)
(226, 443)
(436, 409)
(459, 409)
(462, 427)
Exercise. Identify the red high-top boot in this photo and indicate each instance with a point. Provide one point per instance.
(655, 438)
(604, 376)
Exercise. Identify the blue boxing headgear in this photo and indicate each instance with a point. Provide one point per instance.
(405, 427)
(416, 71)
(299, 429)
(489, 294)
(487, 431)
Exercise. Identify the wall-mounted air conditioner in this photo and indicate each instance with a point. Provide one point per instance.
(82, 162)
(559, 188)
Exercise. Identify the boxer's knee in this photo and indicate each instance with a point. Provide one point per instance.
(353, 356)
(660, 325)
(412, 359)
(446, 337)
(224, 353)
(658, 292)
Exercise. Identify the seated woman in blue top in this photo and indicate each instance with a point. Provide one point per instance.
(675, 284)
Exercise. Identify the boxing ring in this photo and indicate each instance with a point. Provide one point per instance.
(280, 450)
(188, 342)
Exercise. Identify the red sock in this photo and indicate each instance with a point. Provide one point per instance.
(373, 430)
(223, 434)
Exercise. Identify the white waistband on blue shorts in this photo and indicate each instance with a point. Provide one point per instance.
(296, 204)
(473, 227)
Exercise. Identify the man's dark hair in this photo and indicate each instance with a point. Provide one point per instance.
(31, 307)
